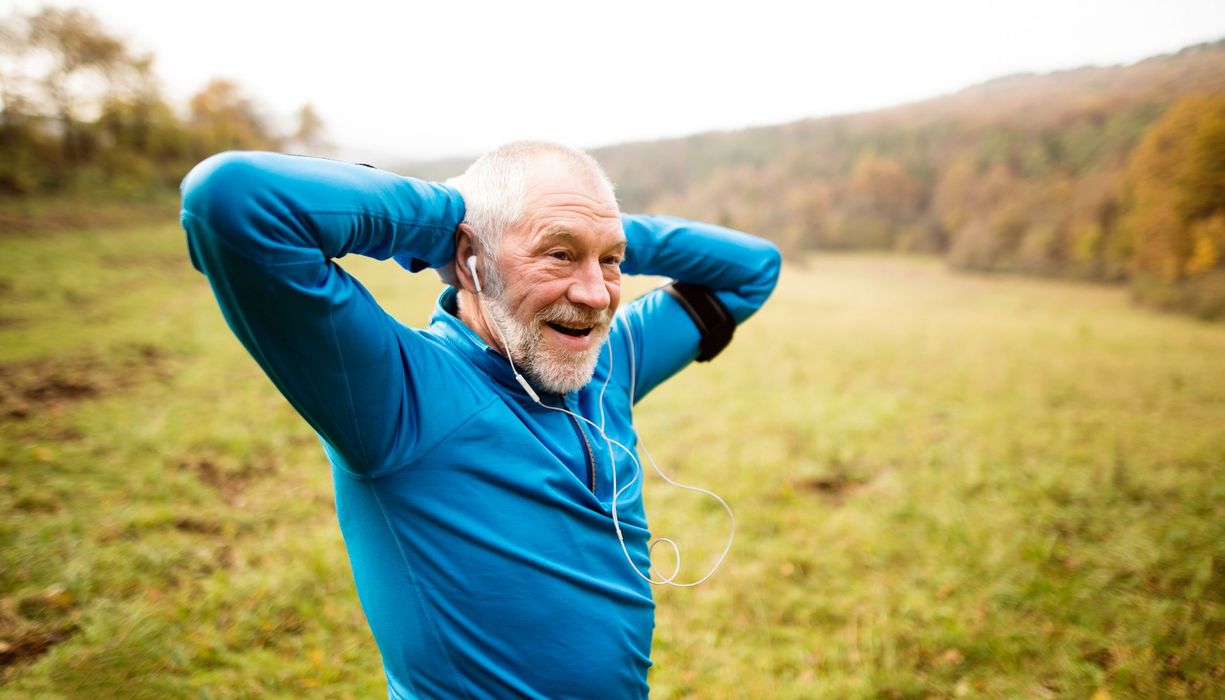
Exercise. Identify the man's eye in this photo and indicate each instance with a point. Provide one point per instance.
(560, 255)
(612, 260)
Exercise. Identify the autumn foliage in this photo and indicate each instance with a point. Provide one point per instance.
(1112, 174)
(1108, 174)
(80, 114)
(1176, 215)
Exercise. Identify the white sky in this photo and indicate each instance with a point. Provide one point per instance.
(395, 79)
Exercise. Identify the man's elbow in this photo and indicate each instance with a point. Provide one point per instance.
(220, 191)
(768, 262)
(236, 200)
(771, 263)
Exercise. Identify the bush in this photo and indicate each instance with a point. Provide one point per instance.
(1206, 295)
(1202, 296)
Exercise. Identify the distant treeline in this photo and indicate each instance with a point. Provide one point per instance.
(1098, 173)
(1107, 174)
(82, 115)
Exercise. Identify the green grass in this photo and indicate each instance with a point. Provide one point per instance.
(946, 486)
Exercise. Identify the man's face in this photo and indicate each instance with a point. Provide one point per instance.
(559, 279)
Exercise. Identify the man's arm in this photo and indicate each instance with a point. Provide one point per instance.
(740, 269)
(264, 229)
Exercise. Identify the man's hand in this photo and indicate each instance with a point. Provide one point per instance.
(446, 273)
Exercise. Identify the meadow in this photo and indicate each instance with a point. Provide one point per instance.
(945, 486)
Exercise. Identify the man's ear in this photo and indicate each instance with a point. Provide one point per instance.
(465, 247)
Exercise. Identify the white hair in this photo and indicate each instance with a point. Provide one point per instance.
(495, 190)
(495, 187)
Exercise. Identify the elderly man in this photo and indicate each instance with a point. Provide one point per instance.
(474, 460)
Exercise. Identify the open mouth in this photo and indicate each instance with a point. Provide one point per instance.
(576, 332)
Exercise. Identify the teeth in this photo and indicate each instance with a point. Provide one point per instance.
(577, 332)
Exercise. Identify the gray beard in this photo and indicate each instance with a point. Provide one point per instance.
(551, 370)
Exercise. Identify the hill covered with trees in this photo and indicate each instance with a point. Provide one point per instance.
(1106, 173)
(82, 115)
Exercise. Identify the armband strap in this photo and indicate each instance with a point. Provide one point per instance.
(714, 321)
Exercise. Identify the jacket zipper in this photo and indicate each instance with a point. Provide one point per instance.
(590, 454)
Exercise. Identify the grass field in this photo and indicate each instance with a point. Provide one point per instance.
(946, 486)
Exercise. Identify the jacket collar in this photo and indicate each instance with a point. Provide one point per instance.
(446, 323)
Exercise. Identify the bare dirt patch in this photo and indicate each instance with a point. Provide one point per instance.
(836, 488)
(51, 384)
(31, 645)
(197, 526)
(30, 626)
(229, 480)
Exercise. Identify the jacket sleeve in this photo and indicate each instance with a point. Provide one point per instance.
(741, 269)
(264, 228)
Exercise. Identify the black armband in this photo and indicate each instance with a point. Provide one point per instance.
(714, 321)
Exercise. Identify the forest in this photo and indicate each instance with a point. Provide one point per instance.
(1113, 174)
(84, 116)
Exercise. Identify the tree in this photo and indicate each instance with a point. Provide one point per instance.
(310, 134)
(223, 118)
(880, 198)
(880, 185)
(1174, 175)
(84, 60)
(1201, 177)
(1176, 217)
(79, 111)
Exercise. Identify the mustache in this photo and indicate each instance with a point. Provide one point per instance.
(562, 312)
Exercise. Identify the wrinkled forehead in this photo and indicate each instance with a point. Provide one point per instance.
(562, 197)
(551, 175)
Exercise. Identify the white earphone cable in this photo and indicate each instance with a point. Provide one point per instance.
(676, 553)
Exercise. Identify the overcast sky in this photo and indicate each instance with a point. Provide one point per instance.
(427, 79)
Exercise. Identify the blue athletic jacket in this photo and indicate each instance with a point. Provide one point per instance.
(477, 523)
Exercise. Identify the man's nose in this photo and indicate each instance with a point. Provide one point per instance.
(587, 287)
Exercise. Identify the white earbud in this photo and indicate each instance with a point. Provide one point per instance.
(527, 387)
(476, 279)
(616, 489)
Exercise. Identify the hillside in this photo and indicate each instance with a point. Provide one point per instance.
(1028, 173)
